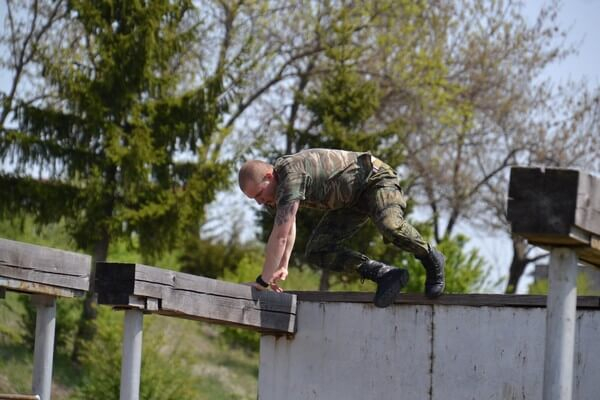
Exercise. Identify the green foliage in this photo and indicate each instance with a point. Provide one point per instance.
(583, 287)
(466, 271)
(111, 144)
(165, 370)
(213, 258)
(68, 313)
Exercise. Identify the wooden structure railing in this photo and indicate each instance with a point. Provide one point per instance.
(166, 292)
(45, 274)
(558, 209)
(143, 289)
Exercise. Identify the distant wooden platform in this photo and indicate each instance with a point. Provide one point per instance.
(555, 207)
(42, 270)
(469, 300)
(166, 292)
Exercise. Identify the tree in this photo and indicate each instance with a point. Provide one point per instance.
(335, 100)
(110, 141)
(29, 28)
(497, 111)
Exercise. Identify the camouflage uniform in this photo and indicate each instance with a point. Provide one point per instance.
(353, 187)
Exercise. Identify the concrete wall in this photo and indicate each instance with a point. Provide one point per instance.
(416, 352)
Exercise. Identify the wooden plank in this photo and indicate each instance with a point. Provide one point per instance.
(266, 299)
(114, 282)
(222, 309)
(542, 200)
(194, 297)
(46, 278)
(40, 266)
(473, 300)
(17, 285)
(40, 258)
(587, 215)
(146, 281)
(553, 207)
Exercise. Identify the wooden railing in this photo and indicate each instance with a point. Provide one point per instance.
(47, 273)
(558, 209)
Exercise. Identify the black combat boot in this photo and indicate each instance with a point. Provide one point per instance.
(389, 281)
(434, 263)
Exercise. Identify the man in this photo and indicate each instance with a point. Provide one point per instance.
(353, 187)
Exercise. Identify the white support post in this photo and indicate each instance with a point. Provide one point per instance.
(43, 352)
(560, 325)
(131, 363)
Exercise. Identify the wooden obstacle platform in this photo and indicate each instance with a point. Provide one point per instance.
(555, 207)
(176, 294)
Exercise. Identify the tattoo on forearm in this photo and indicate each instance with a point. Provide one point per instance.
(284, 213)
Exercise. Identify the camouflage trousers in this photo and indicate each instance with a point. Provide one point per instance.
(383, 202)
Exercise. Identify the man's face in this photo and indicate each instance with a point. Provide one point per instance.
(264, 192)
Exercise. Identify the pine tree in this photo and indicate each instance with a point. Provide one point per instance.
(122, 152)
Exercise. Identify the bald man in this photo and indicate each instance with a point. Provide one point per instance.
(353, 187)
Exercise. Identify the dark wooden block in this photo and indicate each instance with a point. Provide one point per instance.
(554, 207)
(38, 269)
(166, 292)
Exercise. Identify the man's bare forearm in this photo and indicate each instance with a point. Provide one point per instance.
(289, 246)
(277, 251)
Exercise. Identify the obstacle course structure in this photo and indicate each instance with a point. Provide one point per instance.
(45, 274)
(338, 345)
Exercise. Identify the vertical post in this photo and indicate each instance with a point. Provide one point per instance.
(131, 363)
(560, 325)
(45, 324)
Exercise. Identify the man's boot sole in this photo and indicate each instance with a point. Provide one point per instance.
(387, 290)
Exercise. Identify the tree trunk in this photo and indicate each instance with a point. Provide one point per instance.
(518, 264)
(324, 281)
(86, 329)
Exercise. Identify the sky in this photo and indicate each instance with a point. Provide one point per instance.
(580, 17)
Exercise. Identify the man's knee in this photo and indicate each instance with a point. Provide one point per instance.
(397, 230)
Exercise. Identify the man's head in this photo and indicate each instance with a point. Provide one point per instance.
(258, 182)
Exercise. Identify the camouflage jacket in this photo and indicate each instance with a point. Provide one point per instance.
(322, 178)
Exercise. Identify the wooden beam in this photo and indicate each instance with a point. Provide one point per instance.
(554, 207)
(471, 300)
(188, 296)
(38, 269)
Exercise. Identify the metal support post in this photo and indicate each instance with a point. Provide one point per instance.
(43, 352)
(131, 364)
(561, 314)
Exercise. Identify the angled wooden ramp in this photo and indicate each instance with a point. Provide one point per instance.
(143, 289)
(165, 292)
